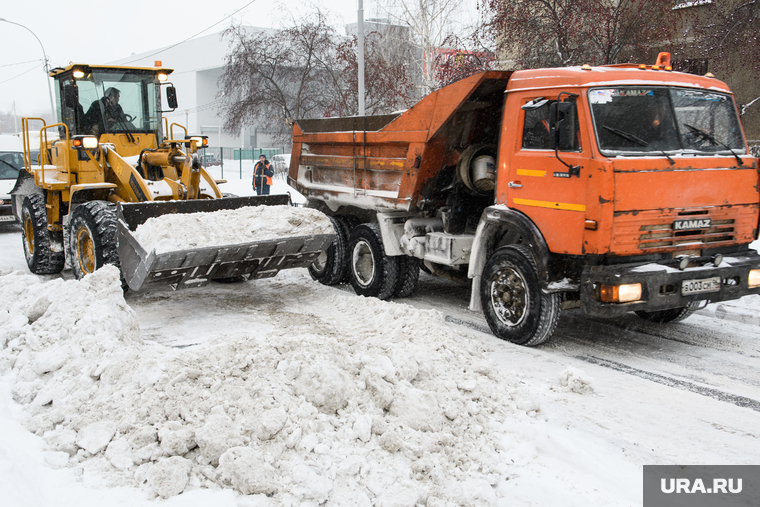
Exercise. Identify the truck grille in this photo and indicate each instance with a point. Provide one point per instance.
(652, 230)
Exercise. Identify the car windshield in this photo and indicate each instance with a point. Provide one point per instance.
(11, 163)
(644, 120)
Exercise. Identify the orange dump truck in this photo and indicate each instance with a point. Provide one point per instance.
(614, 189)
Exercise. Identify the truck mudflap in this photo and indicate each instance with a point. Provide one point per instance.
(199, 266)
(666, 286)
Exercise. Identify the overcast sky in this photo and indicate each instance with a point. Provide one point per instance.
(98, 32)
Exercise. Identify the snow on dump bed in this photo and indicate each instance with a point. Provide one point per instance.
(329, 408)
(249, 224)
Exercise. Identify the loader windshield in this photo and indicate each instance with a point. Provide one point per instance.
(116, 101)
(648, 120)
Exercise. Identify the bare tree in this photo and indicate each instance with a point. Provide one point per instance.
(552, 33)
(274, 78)
(462, 58)
(431, 22)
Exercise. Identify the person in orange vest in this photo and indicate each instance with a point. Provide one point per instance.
(262, 176)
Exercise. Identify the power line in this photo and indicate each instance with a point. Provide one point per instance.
(21, 63)
(19, 75)
(192, 36)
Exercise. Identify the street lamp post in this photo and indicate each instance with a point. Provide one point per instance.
(46, 67)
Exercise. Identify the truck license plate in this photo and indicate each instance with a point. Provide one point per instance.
(7, 218)
(699, 286)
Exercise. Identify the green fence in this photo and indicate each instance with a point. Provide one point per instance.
(254, 153)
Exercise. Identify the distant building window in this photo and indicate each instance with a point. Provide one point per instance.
(691, 66)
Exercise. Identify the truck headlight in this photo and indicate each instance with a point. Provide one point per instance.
(625, 293)
(754, 278)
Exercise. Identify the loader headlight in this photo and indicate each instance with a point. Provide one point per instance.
(162, 77)
(625, 293)
(85, 142)
(200, 141)
(754, 278)
(78, 74)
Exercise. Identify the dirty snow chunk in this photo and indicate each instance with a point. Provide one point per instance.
(363, 427)
(51, 359)
(271, 422)
(309, 485)
(216, 436)
(325, 386)
(417, 409)
(576, 380)
(62, 440)
(169, 476)
(176, 440)
(248, 471)
(172, 232)
(95, 437)
(119, 453)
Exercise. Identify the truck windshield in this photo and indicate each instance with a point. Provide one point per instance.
(117, 101)
(643, 120)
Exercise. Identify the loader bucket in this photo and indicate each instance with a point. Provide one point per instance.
(198, 266)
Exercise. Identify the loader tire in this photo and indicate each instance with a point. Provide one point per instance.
(331, 266)
(92, 238)
(43, 249)
(408, 275)
(668, 316)
(373, 274)
(515, 307)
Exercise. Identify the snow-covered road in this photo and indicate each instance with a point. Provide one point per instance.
(583, 412)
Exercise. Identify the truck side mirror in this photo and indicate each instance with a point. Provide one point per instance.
(560, 120)
(70, 96)
(171, 97)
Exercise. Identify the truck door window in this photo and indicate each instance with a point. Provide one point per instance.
(536, 129)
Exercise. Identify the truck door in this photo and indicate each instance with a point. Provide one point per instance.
(548, 185)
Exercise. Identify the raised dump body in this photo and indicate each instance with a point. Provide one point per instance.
(384, 162)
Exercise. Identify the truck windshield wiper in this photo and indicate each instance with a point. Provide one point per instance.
(712, 139)
(637, 140)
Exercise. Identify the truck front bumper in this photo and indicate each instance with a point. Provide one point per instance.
(662, 286)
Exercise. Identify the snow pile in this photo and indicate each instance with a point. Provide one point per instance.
(307, 408)
(249, 224)
(575, 380)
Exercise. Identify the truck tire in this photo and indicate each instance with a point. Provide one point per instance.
(92, 238)
(408, 275)
(373, 274)
(331, 266)
(515, 307)
(38, 240)
(672, 315)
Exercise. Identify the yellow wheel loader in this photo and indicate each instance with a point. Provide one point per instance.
(110, 163)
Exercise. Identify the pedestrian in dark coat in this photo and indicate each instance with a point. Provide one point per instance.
(262, 176)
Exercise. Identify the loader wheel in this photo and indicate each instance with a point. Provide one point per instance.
(331, 266)
(43, 249)
(408, 275)
(92, 237)
(672, 315)
(515, 307)
(373, 274)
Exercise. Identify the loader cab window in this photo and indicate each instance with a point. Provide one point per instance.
(110, 103)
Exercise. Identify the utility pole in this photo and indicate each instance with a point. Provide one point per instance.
(360, 56)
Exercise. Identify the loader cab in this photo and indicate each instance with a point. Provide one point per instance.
(110, 100)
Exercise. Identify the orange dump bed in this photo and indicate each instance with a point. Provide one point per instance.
(383, 162)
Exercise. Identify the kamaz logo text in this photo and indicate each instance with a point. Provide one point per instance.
(698, 486)
(701, 223)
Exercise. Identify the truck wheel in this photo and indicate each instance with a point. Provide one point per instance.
(408, 275)
(515, 307)
(373, 274)
(38, 240)
(92, 237)
(331, 266)
(672, 315)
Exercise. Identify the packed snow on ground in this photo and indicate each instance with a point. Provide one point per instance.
(249, 224)
(395, 411)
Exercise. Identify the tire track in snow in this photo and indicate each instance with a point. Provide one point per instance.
(740, 401)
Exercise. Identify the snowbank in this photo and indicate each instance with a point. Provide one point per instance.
(173, 232)
(332, 409)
